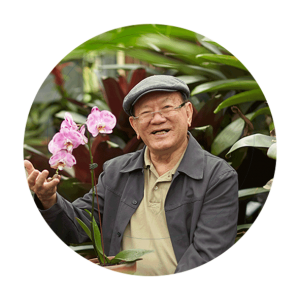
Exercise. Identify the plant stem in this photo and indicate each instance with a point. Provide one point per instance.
(93, 199)
(99, 220)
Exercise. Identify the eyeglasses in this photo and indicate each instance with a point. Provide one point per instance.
(166, 112)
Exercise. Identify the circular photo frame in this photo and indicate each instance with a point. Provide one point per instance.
(108, 170)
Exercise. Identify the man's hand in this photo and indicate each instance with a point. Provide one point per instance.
(38, 183)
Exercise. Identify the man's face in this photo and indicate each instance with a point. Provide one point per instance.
(162, 134)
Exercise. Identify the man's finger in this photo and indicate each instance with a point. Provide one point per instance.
(28, 166)
(53, 183)
(32, 178)
(54, 176)
(41, 178)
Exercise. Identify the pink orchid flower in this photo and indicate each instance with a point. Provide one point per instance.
(62, 159)
(100, 121)
(84, 138)
(65, 139)
(68, 122)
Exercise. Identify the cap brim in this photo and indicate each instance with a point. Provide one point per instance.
(146, 92)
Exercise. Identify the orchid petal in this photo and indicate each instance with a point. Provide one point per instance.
(100, 121)
(62, 159)
(66, 139)
(68, 122)
(82, 133)
(108, 118)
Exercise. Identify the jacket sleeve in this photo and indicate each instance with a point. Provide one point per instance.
(216, 227)
(61, 217)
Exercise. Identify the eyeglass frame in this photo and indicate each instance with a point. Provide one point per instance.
(159, 111)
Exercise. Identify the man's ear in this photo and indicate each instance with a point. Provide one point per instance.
(189, 111)
(133, 124)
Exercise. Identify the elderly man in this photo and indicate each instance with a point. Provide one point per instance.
(172, 196)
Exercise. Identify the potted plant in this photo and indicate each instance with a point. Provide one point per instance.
(70, 136)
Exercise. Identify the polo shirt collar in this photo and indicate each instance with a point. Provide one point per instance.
(191, 164)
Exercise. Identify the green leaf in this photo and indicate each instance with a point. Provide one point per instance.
(268, 185)
(97, 237)
(253, 95)
(205, 40)
(71, 187)
(98, 242)
(272, 152)
(228, 84)
(223, 59)
(203, 128)
(79, 119)
(188, 79)
(85, 228)
(169, 45)
(129, 255)
(245, 193)
(113, 145)
(128, 67)
(262, 111)
(241, 230)
(255, 140)
(243, 227)
(228, 136)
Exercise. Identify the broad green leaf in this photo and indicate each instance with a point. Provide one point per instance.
(160, 42)
(253, 95)
(228, 84)
(129, 255)
(127, 37)
(255, 140)
(161, 60)
(228, 136)
(223, 59)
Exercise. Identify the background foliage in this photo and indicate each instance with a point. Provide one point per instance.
(231, 119)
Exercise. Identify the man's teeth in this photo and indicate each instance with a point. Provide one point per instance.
(161, 132)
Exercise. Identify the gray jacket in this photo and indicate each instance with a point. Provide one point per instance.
(201, 206)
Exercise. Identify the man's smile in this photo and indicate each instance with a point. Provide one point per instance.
(160, 131)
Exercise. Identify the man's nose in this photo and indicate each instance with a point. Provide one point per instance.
(158, 117)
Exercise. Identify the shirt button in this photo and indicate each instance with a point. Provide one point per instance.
(134, 202)
(156, 188)
(119, 234)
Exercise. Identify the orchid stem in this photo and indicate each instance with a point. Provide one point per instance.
(54, 176)
(93, 201)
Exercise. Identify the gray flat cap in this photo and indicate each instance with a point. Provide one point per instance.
(154, 83)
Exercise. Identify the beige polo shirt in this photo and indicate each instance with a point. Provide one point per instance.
(148, 228)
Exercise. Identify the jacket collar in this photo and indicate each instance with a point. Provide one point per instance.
(193, 160)
(191, 164)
